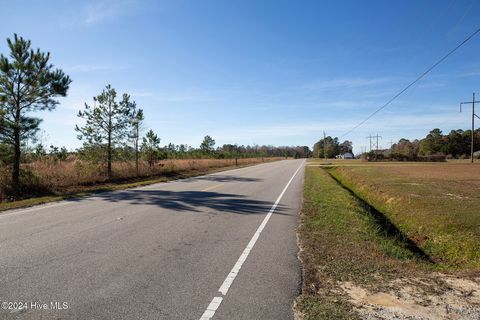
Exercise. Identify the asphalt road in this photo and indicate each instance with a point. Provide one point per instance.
(165, 251)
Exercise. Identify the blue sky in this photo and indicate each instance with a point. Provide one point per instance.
(265, 72)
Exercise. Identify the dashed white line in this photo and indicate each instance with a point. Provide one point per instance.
(216, 301)
(212, 307)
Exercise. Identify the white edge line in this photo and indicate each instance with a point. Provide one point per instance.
(216, 301)
(12, 212)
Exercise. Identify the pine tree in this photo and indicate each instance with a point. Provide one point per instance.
(137, 119)
(107, 123)
(207, 144)
(28, 83)
(151, 147)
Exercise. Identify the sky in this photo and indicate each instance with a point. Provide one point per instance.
(258, 72)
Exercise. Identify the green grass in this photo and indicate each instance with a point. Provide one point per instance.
(437, 206)
(342, 241)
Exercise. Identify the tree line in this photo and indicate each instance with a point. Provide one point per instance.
(330, 147)
(111, 127)
(435, 145)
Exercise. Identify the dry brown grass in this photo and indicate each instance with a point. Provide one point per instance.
(449, 172)
(79, 172)
(436, 205)
(60, 177)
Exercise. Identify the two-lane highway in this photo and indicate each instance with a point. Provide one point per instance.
(220, 246)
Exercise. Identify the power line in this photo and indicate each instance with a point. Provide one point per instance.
(415, 81)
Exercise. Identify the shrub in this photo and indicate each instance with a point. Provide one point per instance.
(433, 158)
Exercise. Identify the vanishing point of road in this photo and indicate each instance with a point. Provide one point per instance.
(219, 246)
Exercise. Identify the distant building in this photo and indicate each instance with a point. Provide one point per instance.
(347, 155)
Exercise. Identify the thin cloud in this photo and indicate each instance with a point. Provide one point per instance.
(347, 83)
(193, 95)
(469, 74)
(92, 68)
(405, 123)
(104, 10)
(277, 131)
(416, 121)
(141, 94)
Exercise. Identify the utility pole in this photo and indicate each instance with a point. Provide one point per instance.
(370, 138)
(376, 149)
(324, 146)
(473, 122)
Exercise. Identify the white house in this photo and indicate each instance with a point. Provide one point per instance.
(346, 155)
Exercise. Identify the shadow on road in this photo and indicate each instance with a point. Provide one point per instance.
(225, 178)
(193, 201)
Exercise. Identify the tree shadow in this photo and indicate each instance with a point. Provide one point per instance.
(386, 227)
(226, 178)
(192, 201)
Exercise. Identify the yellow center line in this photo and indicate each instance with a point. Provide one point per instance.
(213, 187)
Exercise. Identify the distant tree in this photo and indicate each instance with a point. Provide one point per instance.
(345, 147)
(62, 154)
(171, 150)
(40, 151)
(230, 148)
(182, 148)
(137, 120)
(433, 143)
(207, 145)
(457, 143)
(151, 147)
(58, 153)
(28, 83)
(405, 150)
(107, 123)
(328, 147)
(302, 152)
(92, 153)
(476, 141)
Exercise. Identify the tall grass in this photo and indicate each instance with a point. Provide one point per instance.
(57, 177)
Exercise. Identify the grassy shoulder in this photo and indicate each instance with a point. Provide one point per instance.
(341, 242)
(81, 191)
(437, 206)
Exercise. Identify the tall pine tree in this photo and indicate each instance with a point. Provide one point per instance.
(28, 83)
(107, 123)
(137, 119)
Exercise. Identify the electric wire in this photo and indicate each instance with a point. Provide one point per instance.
(413, 82)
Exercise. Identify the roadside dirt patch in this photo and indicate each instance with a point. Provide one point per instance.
(457, 196)
(438, 297)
